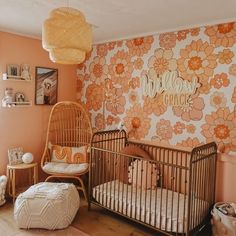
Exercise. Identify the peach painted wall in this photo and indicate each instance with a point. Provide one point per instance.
(207, 53)
(26, 127)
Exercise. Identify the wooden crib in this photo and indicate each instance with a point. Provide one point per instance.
(172, 193)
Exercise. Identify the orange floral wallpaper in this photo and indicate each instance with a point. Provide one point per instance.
(109, 84)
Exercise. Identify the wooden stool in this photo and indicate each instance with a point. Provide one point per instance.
(11, 175)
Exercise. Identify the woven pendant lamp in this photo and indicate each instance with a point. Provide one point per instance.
(67, 36)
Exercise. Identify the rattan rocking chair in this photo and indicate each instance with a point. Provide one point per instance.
(69, 126)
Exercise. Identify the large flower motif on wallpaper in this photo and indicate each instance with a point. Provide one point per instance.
(137, 122)
(179, 127)
(164, 129)
(167, 40)
(134, 83)
(220, 127)
(115, 103)
(94, 95)
(102, 49)
(79, 86)
(133, 97)
(218, 100)
(197, 60)
(111, 119)
(232, 70)
(234, 96)
(189, 142)
(162, 61)
(139, 46)
(220, 80)
(225, 57)
(222, 34)
(154, 105)
(98, 69)
(121, 69)
(194, 111)
(99, 121)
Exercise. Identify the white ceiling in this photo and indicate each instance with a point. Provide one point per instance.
(118, 19)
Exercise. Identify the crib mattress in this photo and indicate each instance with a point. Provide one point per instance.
(159, 208)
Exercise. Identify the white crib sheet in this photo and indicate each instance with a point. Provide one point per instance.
(142, 206)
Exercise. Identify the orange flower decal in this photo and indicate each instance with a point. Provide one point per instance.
(138, 64)
(194, 31)
(167, 40)
(121, 69)
(234, 96)
(191, 112)
(197, 60)
(116, 102)
(232, 70)
(102, 49)
(162, 61)
(164, 129)
(99, 121)
(154, 105)
(98, 69)
(139, 46)
(225, 57)
(79, 87)
(220, 80)
(190, 128)
(94, 95)
(137, 122)
(205, 87)
(182, 34)
(133, 97)
(222, 34)
(218, 100)
(189, 142)
(134, 83)
(179, 127)
(220, 127)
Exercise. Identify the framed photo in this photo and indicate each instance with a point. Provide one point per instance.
(13, 70)
(19, 97)
(15, 155)
(46, 83)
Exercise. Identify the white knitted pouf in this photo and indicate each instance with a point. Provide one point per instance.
(47, 205)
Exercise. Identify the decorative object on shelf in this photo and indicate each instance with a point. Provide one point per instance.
(27, 158)
(67, 36)
(19, 97)
(3, 184)
(13, 70)
(46, 81)
(15, 155)
(25, 71)
(8, 98)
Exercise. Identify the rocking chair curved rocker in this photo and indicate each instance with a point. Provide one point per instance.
(70, 128)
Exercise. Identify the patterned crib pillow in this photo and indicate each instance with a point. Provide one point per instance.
(70, 155)
(143, 174)
(123, 162)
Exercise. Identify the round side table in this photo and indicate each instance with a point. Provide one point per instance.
(11, 175)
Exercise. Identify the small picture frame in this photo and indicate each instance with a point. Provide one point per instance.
(15, 155)
(19, 97)
(25, 72)
(13, 70)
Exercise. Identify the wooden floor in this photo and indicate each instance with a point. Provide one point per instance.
(97, 222)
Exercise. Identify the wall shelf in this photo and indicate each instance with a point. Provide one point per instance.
(18, 104)
(7, 77)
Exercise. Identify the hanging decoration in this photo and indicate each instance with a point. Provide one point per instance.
(67, 36)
